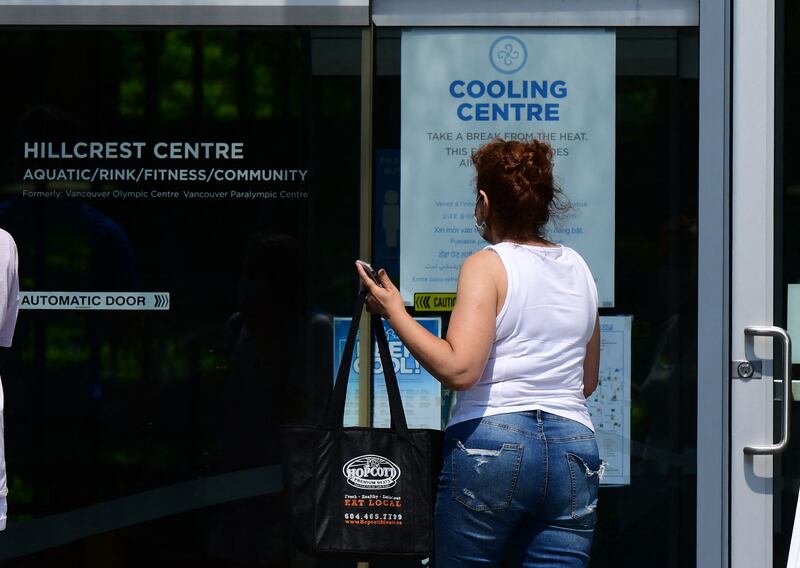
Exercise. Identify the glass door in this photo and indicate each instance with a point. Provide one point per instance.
(787, 267)
(652, 513)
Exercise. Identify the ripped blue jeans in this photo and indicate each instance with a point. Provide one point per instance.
(519, 487)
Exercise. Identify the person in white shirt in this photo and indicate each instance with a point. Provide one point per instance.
(521, 466)
(9, 305)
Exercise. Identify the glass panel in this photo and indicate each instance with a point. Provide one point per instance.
(220, 168)
(787, 257)
(655, 273)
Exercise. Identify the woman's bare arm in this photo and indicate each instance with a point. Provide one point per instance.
(458, 360)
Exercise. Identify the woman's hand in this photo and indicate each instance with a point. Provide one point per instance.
(387, 301)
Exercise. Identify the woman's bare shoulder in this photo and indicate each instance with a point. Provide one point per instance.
(484, 259)
(482, 264)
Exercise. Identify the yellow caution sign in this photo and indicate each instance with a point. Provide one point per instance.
(434, 302)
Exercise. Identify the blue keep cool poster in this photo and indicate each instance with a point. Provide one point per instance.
(421, 393)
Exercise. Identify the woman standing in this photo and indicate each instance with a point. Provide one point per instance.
(521, 466)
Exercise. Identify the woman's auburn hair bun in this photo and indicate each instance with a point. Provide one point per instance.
(534, 158)
(518, 178)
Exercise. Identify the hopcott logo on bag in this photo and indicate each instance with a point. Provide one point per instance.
(371, 472)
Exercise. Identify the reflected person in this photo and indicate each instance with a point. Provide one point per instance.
(271, 339)
(9, 306)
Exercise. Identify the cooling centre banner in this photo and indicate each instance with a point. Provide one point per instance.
(461, 89)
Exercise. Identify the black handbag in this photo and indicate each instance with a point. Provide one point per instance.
(361, 492)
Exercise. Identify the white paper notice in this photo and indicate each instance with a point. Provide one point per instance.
(793, 316)
(610, 405)
(463, 88)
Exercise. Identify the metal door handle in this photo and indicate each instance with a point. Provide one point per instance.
(786, 380)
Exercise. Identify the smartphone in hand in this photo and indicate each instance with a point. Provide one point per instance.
(370, 272)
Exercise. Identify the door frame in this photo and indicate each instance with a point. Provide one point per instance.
(744, 249)
(714, 225)
(714, 237)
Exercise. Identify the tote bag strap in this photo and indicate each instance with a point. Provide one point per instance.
(390, 378)
(334, 415)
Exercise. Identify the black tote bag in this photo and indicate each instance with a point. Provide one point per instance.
(361, 492)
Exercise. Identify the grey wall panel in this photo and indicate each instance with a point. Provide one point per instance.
(536, 13)
(196, 14)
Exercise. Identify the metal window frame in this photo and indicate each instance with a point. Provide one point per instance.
(714, 242)
(365, 367)
(185, 13)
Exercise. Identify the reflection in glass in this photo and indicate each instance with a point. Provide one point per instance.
(148, 422)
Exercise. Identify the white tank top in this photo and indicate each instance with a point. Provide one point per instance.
(540, 341)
